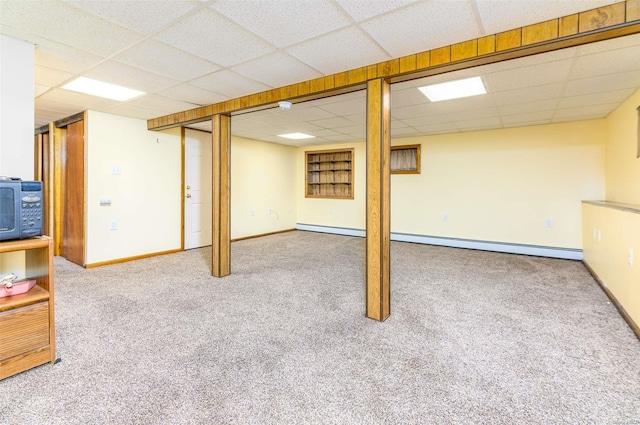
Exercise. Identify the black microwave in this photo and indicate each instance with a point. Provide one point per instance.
(20, 208)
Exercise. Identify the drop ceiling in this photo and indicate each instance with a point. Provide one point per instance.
(186, 54)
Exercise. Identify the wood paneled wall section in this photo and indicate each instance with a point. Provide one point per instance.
(615, 20)
(221, 245)
(43, 171)
(59, 136)
(73, 194)
(378, 199)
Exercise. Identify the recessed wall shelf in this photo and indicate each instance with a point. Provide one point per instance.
(329, 174)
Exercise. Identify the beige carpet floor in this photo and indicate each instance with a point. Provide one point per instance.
(474, 338)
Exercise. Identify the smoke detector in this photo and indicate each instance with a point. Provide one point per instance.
(284, 105)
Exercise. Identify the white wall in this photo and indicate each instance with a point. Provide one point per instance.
(145, 197)
(349, 213)
(497, 186)
(16, 108)
(263, 177)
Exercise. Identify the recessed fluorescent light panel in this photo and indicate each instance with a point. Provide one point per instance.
(101, 89)
(454, 89)
(296, 136)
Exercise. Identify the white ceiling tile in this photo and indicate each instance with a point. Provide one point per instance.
(229, 84)
(536, 75)
(141, 16)
(38, 90)
(360, 130)
(325, 132)
(401, 33)
(479, 124)
(210, 36)
(426, 120)
(82, 101)
(464, 104)
(277, 69)
(620, 60)
(527, 117)
(44, 117)
(64, 58)
(193, 94)
(471, 114)
(603, 83)
(63, 23)
(50, 77)
(346, 107)
(285, 22)
(503, 15)
(334, 123)
(608, 45)
(425, 109)
(128, 76)
(64, 108)
(593, 110)
(166, 60)
(614, 96)
(135, 111)
(437, 128)
(402, 131)
(529, 94)
(343, 138)
(339, 51)
(365, 9)
(577, 118)
(525, 123)
(204, 126)
(356, 118)
(528, 61)
(406, 97)
(529, 107)
(307, 113)
(160, 103)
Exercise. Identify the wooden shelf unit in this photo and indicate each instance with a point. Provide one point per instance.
(329, 174)
(27, 327)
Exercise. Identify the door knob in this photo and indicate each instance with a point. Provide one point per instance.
(188, 195)
(188, 187)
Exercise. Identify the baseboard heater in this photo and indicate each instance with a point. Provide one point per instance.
(511, 248)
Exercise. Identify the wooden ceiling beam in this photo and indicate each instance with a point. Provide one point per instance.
(603, 23)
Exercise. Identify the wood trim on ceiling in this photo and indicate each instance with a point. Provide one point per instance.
(69, 120)
(603, 23)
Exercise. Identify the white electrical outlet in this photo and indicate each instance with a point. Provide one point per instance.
(548, 222)
(630, 257)
(253, 213)
(599, 235)
(269, 211)
(445, 217)
(113, 225)
(115, 170)
(330, 210)
(595, 233)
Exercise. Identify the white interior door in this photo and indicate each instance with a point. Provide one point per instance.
(197, 189)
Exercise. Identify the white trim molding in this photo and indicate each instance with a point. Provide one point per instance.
(510, 248)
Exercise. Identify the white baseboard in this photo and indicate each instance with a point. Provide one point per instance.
(346, 231)
(510, 248)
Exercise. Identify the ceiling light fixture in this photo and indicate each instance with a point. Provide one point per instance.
(454, 89)
(296, 136)
(284, 105)
(101, 89)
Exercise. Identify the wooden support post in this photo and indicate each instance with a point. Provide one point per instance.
(221, 241)
(378, 205)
